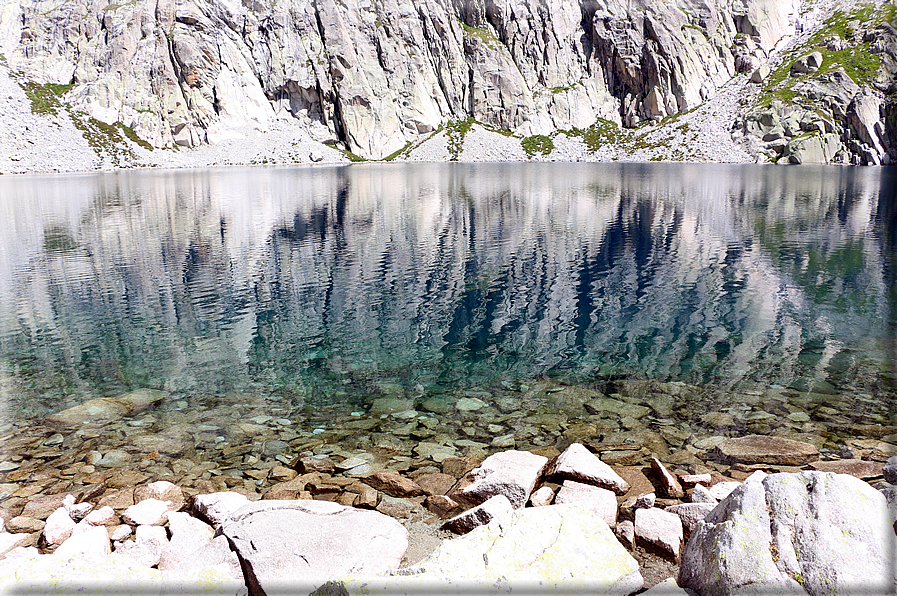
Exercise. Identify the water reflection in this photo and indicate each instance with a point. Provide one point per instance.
(323, 285)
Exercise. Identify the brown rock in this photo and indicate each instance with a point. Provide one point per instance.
(307, 465)
(280, 495)
(347, 499)
(22, 523)
(322, 488)
(436, 483)
(126, 478)
(690, 480)
(459, 466)
(753, 449)
(863, 470)
(441, 505)
(393, 484)
(668, 483)
(117, 499)
(368, 498)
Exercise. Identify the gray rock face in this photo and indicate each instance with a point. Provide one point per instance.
(830, 532)
(520, 554)
(295, 546)
(217, 507)
(184, 73)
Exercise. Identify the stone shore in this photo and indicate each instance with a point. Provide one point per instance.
(332, 517)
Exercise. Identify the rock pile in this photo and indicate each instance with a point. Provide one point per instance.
(784, 530)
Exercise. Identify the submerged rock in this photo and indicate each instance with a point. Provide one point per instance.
(755, 449)
(106, 409)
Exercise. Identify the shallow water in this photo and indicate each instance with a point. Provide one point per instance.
(308, 293)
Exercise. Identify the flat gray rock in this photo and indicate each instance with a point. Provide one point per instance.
(830, 532)
(105, 409)
(510, 473)
(292, 547)
(579, 464)
(537, 550)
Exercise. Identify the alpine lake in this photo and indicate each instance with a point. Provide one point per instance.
(402, 314)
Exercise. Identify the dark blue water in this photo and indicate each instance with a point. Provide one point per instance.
(332, 285)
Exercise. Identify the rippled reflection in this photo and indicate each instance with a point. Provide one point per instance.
(324, 284)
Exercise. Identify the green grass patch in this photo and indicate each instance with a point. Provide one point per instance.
(351, 156)
(104, 138)
(44, 98)
(395, 154)
(129, 132)
(537, 144)
(484, 34)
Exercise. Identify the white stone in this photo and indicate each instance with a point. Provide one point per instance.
(579, 464)
(659, 530)
(600, 501)
(149, 512)
(542, 496)
(104, 516)
(554, 549)
(832, 530)
(298, 545)
(147, 547)
(217, 507)
(721, 490)
(497, 507)
(510, 473)
(701, 494)
(59, 526)
(188, 536)
(85, 541)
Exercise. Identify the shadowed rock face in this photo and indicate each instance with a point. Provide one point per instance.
(189, 72)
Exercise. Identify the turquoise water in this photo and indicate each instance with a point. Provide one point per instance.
(319, 286)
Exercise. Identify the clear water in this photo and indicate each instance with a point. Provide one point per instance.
(318, 287)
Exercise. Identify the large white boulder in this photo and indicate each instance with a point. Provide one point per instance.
(813, 532)
(295, 546)
(537, 550)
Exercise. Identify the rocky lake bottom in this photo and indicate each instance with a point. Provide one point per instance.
(107, 450)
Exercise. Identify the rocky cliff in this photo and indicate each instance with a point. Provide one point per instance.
(376, 77)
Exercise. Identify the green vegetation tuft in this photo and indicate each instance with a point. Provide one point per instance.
(537, 144)
(129, 132)
(104, 138)
(456, 131)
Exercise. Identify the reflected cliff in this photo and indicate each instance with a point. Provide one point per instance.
(321, 284)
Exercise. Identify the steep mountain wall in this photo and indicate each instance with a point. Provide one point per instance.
(378, 75)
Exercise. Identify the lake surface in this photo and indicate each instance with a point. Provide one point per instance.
(310, 293)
